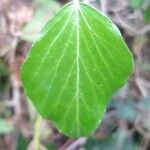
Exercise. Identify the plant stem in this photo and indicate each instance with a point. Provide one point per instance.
(36, 138)
(104, 6)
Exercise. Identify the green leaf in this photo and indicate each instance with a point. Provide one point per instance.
(5, 127)
(120, 140)
(101, 144)
(4, 73)
(30, 31)
(147, 15)
(126, 110)
(136, 3)
(74, 67)
(22, 143)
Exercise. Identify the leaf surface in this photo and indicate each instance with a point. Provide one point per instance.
(74, 67)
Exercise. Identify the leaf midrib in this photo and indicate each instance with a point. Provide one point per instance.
(77, 7)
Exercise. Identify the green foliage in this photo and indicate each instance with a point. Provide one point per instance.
(126, 110)
(3, 70)
(50, 146)
(115, 142)
(3, 79)
(103, 144)
(136, 3)
(147, 15)
(31, 30)
(74, 67)
(5, 127)
(22, 143)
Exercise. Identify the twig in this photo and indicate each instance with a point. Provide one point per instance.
(16, 95)
(124, 24)
(78, 142)
(104, 6)
(145, 29)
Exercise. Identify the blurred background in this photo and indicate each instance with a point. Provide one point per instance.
(126, 124)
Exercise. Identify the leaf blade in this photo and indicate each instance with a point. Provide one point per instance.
(76, 69)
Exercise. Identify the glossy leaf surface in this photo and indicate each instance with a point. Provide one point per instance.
(74, 67)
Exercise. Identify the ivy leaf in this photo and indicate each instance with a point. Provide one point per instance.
(74, 67)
